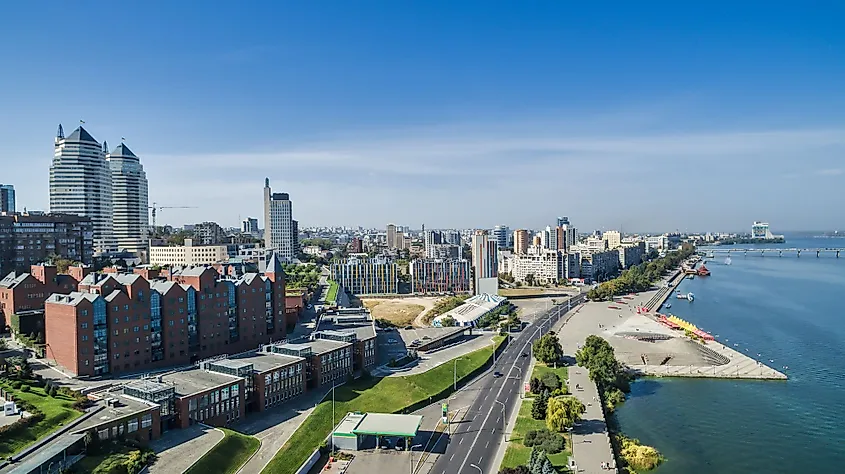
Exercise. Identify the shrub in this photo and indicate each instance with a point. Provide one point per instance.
(638, 456)
(515, 470)
(535, 385)
(53, 391)
(544, 440)
(24, 388)
(551, 381)
(17, 384)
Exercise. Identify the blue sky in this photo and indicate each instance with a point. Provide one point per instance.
(644, 115)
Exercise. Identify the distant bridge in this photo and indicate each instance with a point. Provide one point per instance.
(779, 251)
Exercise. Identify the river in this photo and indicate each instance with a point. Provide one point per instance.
(787, 309)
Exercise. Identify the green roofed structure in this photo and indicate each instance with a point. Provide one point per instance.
(354, 427)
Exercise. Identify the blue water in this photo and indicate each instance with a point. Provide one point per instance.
(787, 309)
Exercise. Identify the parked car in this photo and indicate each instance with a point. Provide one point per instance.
(408, 328)
(400, 444)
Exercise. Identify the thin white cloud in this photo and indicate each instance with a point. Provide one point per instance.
(831, 172)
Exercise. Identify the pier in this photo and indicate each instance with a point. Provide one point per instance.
(818, 252)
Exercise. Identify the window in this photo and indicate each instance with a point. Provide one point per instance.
(146, 420)
(234, 390)
(132, 425)
(84, 325)
(84, 337)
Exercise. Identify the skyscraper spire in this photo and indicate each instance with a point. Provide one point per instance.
(266, 181)
(105, 147)
(61, 132)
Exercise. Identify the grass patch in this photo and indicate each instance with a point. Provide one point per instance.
(331, 295)
(540, 369)
(396, 311)
(444, 305)
(58, 411)
(517, 453)
(368, 394)
(227, 456)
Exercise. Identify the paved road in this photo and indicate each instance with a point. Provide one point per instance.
(478, 439)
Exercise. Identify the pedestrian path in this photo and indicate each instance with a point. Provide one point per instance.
(591, 447)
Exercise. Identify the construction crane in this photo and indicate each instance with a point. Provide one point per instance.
(156, 207)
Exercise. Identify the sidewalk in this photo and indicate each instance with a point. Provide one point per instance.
(274, 427)
(590, 441)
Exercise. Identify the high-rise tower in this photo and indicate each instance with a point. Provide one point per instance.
(81, 184)
(130, 202)
(485, 264)
(278, 223)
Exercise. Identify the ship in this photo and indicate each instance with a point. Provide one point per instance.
(703, 271)
(728, 261)
(688, 296)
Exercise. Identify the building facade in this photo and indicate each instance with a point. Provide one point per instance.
(485, 265)
(613, 238)
(120, 323)
(26, 292)
(501, 234)
(439, 276)
(390, 233)
(130, 202)
(249, 225)
(598, 266)
(28, 239)
(7, 198)
(188, 254)
(631, 254)
(539, 265)
(209, 233)
(361, 276)
(521, 241)
(81, 184)
(279, 233)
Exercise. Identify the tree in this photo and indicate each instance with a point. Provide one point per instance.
(92, 441)
(544, 440)
(598, 357)
(535, 461)
(529, 278)
(548, 468)
(539, 406)
(535, 385)
(547, 349)
(563, 413)
(448, 322)
(551, 381)
(515, 470)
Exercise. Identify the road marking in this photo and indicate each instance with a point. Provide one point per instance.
(488, 444)
(450, 457)
(461, 441)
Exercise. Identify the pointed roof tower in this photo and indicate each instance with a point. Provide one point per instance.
(81, 135)
(123, 150)
(274, 267)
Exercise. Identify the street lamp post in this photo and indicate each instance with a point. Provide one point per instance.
(412, 457)
(455, 378)
(479, 469)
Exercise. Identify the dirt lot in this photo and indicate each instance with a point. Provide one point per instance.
(534, 291)
(397, 311)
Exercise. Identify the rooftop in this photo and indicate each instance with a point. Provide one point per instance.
(193, 381)
(72, 299)
(348, 424)
(322, 346)
(264, 361)
(389, 425)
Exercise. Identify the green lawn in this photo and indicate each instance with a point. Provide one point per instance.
(517, 454)
(383, 395)
(541, 368)
(331, 294)
(57, 411)
(227, 456)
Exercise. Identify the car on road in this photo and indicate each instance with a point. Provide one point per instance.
(400, 444)
(497, 374)
(524, 354)
(408, 328)
(391, 341)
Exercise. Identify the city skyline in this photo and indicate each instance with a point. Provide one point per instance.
(620, 122)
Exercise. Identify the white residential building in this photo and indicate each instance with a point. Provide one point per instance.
(130, 202)
(188, 254)
(81, 184)
(279, 232)
(546, 266)
(485, 266)
(613, 239)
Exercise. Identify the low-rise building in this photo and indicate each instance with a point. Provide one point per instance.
(327, 361)
(472, 310)
(339, 324)
(270, 379)
(188, 254)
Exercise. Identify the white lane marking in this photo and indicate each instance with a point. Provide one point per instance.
(461, 441)
(450, 457)
(488, 444)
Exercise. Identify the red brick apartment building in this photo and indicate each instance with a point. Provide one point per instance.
(20, 292)
(118, 323)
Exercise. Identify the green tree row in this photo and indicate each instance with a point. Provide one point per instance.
(640, 277)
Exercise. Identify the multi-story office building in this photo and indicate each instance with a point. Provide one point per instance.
(631, 254)
(562, 221)
(391, 236)
(658, 242)
(188, 254)
(327, 361)
(28, 239)
(521, 241)
(501, 234)
(571, 236)
(81, 184)
(560, 238)
(130, 204)
(451, 237)
(361, 276)
(249, 225)
(573, 264)
(613, 239)
(356, 246)
(7, 198)
(485, 265)
(543, 265)
(353, 325)
(279, 232)
(446, 251)
(269, 379)
(119, 323)
(439, 276)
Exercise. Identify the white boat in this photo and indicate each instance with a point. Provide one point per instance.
(668, 305)
(728, 261)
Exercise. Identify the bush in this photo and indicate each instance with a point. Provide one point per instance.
(638, 456)
(24, 388)
(535, 385)
(515, 470)
(551, 381)
(17, 384)
(544, 440)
